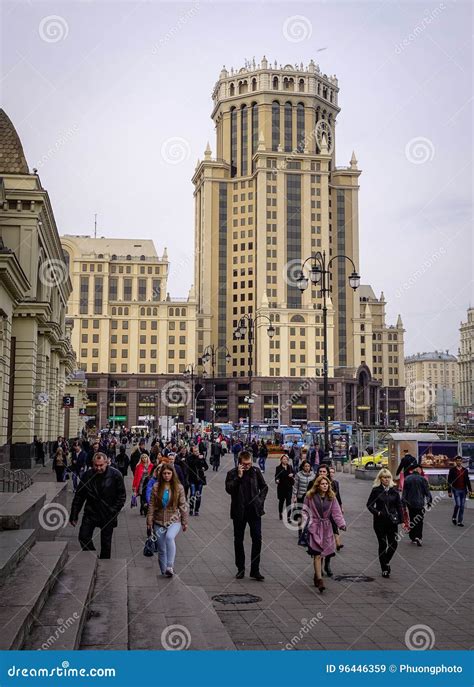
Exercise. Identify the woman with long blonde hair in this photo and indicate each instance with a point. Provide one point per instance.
(385, 505)
(167, 513)
(319, 507)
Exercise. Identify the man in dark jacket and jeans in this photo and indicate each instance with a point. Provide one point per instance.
(248, 490)
(102, 489)
(459, 486)
(415, 491)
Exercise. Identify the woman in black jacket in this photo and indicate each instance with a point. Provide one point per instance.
(197, 465)
(385, 505)
(284, 478)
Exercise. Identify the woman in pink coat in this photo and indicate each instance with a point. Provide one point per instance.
(320, 505)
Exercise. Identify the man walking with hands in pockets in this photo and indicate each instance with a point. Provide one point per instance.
(248, 490)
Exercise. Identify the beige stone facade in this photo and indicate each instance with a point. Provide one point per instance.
(37, 362)
(271, 197)
(126, 327)
(425, 373)
(466, 364)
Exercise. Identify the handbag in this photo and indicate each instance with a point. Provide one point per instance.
(133, 502)
(303, 539)
(149, 548)
(392, 516)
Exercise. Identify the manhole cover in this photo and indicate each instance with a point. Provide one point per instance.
(353, 578)
(237, 598)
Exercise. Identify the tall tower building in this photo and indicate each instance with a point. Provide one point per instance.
(270, 197)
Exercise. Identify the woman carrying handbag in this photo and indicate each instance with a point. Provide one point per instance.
(385, 505)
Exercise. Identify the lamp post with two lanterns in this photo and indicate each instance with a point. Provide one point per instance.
(247, 326)
(319, 273)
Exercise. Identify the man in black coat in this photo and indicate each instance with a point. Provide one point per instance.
(416, 491)
(102, 489)
(407, 463)
(248, 490)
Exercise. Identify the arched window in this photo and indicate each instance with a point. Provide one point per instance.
(120, 311)
(114, 311)
(297, 318)
(129, 257)
(243, 87)
(243, 140)
(300, 132)
(125, 311)
(254, 84)
(142, 311)
(231, 90)
(288, 127)
(301, 86)
(114, 257)
(233, 142)
(325, 92)
(142, 257)
(148, 311)
(183, 312)
(275, 83)
(171, 312)
(155, 311)
(275, 125)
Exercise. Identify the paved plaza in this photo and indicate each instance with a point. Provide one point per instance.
(429, 587)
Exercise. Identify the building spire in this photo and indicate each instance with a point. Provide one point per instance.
(207, 152)
(353, 161)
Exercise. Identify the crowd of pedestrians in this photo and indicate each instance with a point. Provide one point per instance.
(168, 484)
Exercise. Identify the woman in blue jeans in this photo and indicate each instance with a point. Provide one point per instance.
(167, 514)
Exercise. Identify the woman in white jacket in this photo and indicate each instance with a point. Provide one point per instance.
(304, 476)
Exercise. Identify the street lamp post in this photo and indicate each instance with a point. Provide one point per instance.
(319, 272)
(247, 326)
(189, 372)
(114, 385)
(210, 353)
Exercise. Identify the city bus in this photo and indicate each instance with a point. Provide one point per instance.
(285, 436)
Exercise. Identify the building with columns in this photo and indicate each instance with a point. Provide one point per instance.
(428, 377)
(271, 196)
(37, 361)
(466, 366)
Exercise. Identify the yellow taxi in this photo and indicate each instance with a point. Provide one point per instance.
(380, 459)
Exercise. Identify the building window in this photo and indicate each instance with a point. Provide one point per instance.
(300, 133)
(243, 140)
(275, 125)
(98, 295)
(142, 289)
(156, 296)
(127, 289)
(254, 132)
(288, 127)
(233, 142)
(113, 288)
(84, 296)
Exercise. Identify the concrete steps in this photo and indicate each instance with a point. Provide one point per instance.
(60, 624)
(14, 545)
(107, 623)
(20, 511)
(166, 614)
(24, 593)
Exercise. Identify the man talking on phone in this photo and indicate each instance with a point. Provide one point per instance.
(248, 490)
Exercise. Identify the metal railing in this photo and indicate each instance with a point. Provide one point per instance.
(13, 481)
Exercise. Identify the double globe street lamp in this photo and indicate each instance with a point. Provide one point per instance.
(319, 273)
(247, 326)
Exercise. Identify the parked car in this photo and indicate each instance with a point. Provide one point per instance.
(379, 459)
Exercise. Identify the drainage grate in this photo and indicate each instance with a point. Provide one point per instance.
(353, 578)
(237, 599)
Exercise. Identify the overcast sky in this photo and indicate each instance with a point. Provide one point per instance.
(98, 91)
